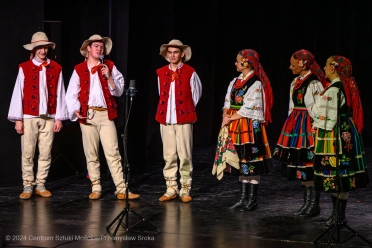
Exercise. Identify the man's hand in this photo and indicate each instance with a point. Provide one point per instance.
(77, 113)
(19, 127)
(57, 126)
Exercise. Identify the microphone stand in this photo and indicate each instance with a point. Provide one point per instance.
(338, 223)
(130, 92)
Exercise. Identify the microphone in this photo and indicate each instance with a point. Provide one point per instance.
(132, 88)
(101, 57)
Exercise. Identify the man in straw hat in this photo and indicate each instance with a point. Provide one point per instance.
(38, 108)
(180, 90)
(91, 101)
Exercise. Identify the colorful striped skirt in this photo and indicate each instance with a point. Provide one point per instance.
(295, 146)
(251, 143)
(351, 171)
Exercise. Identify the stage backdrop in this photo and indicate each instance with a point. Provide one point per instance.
(215, 30)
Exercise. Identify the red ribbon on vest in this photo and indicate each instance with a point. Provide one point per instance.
(45, 64)
(95, 68)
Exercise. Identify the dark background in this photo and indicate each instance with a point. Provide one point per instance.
(215, 30)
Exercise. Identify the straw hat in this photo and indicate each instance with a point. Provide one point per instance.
(106, 40)
(39, 39)
(175, 43)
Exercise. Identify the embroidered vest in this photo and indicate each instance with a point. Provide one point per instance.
(185, 108)
(298, 95)
(84, 75)
(237, 95)
(31, 90)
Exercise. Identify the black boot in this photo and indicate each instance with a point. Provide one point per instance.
(306, 204)
(342, 212)
(314, 208)
(251, 203)
(243, 197)
(332, 218)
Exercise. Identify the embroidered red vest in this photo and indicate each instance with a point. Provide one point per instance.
(185, 108)
(84, 75)
(31, 90)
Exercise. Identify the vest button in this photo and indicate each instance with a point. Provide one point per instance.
(164, 93)
(86, 81)
(179, 82)
(179, 92)
(167, 73)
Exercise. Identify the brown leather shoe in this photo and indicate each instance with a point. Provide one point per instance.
(95, 195)
(132, 196)
(167, 197)
(25, 195)
(45, 193)
(186, 198)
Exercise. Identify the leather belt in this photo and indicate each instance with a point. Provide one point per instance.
(97, 108)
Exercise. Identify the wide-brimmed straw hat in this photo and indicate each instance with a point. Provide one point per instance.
(175, 43)
(106, 40)
(39, 39)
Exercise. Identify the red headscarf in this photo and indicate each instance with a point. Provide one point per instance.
(308, 60)
(252, 58)
(343, 67)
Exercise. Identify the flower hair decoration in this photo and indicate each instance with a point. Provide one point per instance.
(245, 62)
(302, 62)
(334, 64)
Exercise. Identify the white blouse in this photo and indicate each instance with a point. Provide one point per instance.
(325, 108)
(253, 101)
(314, 88)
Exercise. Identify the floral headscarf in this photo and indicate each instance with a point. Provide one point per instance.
(344, 69)
(307, 59)
(251, 56)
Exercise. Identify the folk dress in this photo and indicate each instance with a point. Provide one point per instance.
(295, 146)
(351, 156)
(245, 96)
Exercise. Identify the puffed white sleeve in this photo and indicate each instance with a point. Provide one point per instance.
(313, 90)
(72, 96)
(253, 103)
(226, 104)
(15, 109)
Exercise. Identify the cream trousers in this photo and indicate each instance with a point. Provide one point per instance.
(39, 131)
(177, 140)
(100, 128)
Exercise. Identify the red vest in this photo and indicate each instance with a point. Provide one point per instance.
(185, 108)
(31, 90)
(84, 75)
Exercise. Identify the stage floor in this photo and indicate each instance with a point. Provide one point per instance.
(70, 219)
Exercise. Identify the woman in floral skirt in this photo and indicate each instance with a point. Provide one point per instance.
(338, 116)
(296, 142)
(246, 111)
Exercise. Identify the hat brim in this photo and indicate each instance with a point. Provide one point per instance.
(185, 48)
(36, 44)
(106, 40)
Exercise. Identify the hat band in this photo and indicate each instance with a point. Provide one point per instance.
(39, 41)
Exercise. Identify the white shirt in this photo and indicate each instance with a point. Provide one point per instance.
(16, 109)
(96, 97)
(196, 91)
(253, 102)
